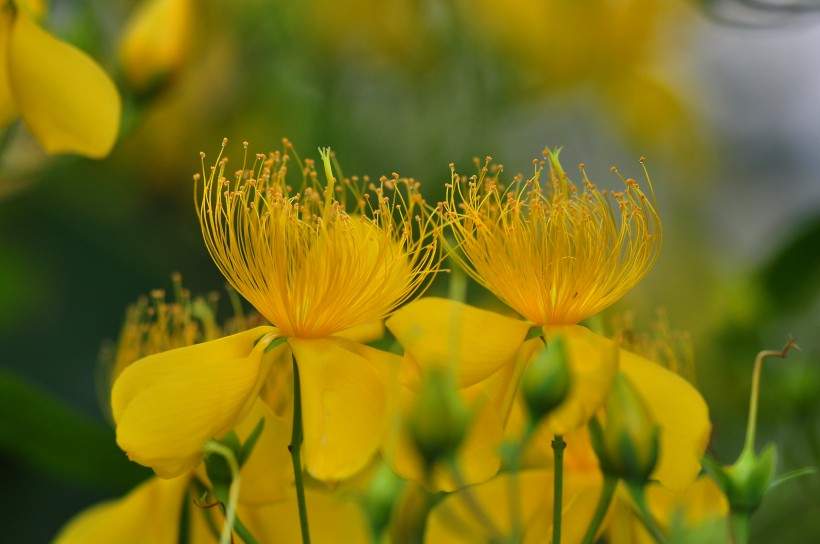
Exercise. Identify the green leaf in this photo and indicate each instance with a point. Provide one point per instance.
(792, 475)
(51, 437)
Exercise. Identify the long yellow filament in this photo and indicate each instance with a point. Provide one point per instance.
(321, 259)
(556, 256)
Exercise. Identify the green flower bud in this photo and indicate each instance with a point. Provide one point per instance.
(627, 442)
(380, 498)
(746, 482)
(546, 381)
(438, 420)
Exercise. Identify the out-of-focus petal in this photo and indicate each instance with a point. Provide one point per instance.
(149, 513)
(67, 101)
(343, 404)
(680, 412)
(699, 503)
(473, 342)
(593, 362)
(452, 520)
(166, 406)
(8, 109)
(477, 457)
(155, 41)
(267, 475)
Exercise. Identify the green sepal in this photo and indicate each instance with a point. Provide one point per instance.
(745, 482)
(275, 343)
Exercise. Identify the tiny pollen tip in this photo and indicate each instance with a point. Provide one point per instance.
(224, 142)
(245, 144)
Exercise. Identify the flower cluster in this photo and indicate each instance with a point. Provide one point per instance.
(475, 426)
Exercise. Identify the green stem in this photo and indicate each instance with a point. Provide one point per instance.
(751, 423)
(558, 446)
(604, 500)
(295, 447)
(739, 527)
(645, 515)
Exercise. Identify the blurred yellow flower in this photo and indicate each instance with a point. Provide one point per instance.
(320, 274)
(155, 41)
(68, 102)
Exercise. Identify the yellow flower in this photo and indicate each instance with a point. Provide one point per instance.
(556, 257)
(265, 477)
(320, 263)
(68, 103)
(155, 41)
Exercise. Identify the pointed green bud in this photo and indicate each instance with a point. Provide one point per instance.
(627, 440)
(438, 420)
(746, 482)
(381, 497)
(546, 381)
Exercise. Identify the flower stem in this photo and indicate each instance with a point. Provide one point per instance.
(295, 448)
(607, 492)
(558, 446)
(739, 527)
(751, 424)
(645, 515)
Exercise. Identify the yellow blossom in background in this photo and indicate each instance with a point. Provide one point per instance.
(321, 263)
(67, 102)
(155, 41)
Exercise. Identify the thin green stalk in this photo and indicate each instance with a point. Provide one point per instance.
(558, 446)
(233, 491)
(295, 448)
(739, 527)
(604, 500)
(645, 515)
(751, 423)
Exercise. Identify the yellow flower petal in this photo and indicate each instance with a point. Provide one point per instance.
(593, 363)
(155, 41)
(681, 413)
(267, 475)
(8, 109)
(699, 503)
(65, 98)
(149, 513)
(166, 406)
(364, 333)
(343, 404)
(436, 331)
(331, 516)
(452, 520)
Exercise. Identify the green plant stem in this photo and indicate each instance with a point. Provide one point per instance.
(558, 446)
(604, 500)
(645, 515)
(295, 448)
(739, 527)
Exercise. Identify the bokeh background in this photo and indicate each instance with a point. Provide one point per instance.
(722, 97)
